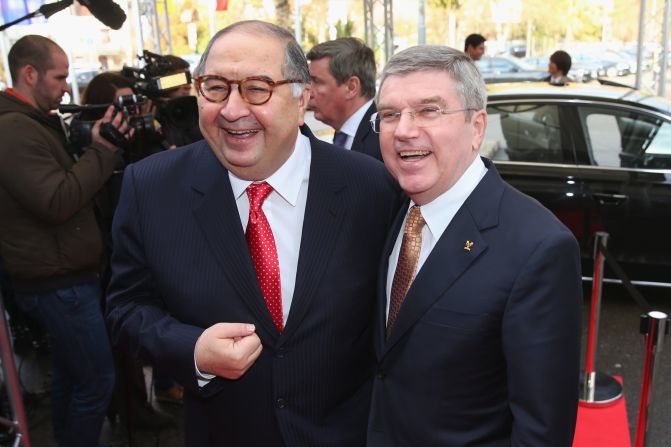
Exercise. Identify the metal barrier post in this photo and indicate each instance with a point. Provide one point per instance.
(655, 327)
(19, 425)
(597, 389)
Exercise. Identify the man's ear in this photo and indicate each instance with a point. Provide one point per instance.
(479, 120)
(28, 75)
(352, 87)
(303, 103)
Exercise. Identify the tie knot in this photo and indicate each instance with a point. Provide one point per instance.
(257, 193)
(415, 222)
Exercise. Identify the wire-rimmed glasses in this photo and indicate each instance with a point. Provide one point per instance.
(425, 116)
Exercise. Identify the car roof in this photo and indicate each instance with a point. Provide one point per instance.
(577, 90)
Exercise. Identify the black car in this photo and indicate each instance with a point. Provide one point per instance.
(508, 69)
(598, 156)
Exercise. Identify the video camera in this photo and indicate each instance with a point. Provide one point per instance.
(129, 106)
(178, 116)
(158, 75)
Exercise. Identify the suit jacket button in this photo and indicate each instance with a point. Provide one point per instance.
(281, 403)
(381, 375)
(280, 353)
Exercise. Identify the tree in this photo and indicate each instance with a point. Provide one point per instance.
(283, 14)
(452, 7)
(344, 29)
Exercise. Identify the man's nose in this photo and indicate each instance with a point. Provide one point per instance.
(406, 126)
(235, 106)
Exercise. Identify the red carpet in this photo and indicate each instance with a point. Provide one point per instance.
(603, 427)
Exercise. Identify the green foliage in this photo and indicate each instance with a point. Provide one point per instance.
(283, 14)
(445, 4)
(344, 29)
(551, 23)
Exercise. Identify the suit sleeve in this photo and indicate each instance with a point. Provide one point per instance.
(541, 342)
(136, 315)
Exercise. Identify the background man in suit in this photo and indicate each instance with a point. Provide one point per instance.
(484, 348)
(474, 46)
(261, 309)
(343, 88)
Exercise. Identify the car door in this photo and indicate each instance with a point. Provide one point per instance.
(534, 152)
(625, 167)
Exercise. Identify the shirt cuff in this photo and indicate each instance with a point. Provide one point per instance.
(203, 378)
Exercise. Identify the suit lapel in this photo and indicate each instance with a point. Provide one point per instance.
(363, 130)
(449, 258)
(445, 264)
(216, 214)
(324, 212)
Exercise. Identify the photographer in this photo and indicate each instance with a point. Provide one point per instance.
(50, 241)
(130, 398)
(112, 87)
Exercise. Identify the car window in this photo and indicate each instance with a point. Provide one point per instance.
(523, 132)
(502, 65)
(483, 65)
(619, 138)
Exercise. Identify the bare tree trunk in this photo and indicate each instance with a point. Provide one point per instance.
(452, 29)
(283, 13)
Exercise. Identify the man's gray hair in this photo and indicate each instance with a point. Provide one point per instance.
(295, 65)
(461, 68)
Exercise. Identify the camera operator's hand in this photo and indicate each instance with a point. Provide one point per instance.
(110, 131)
(148, 108)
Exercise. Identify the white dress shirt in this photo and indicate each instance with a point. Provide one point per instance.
(352, 124)
(285, 210)
(437, 214)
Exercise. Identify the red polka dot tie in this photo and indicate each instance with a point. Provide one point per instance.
(264, 253)
(407, 263)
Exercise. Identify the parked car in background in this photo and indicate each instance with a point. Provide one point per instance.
(603, 67)
(599, 157)
(622, 63)
(579, 72)
(508, 69)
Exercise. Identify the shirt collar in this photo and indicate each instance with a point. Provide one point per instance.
(287, 180)
(352, 124)
(10, 91)
(439, 213)
(14, 93)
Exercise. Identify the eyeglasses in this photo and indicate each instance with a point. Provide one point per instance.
(426, 116)
(254, 90)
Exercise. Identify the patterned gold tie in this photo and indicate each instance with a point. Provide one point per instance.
(407, 263)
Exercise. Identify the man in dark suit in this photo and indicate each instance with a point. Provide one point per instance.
(343, 87)
(244, 265)
(478, 333)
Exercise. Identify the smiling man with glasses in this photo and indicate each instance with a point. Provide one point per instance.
(478, 329)
(245, 265)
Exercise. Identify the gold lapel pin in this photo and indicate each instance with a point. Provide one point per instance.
(468, 245)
